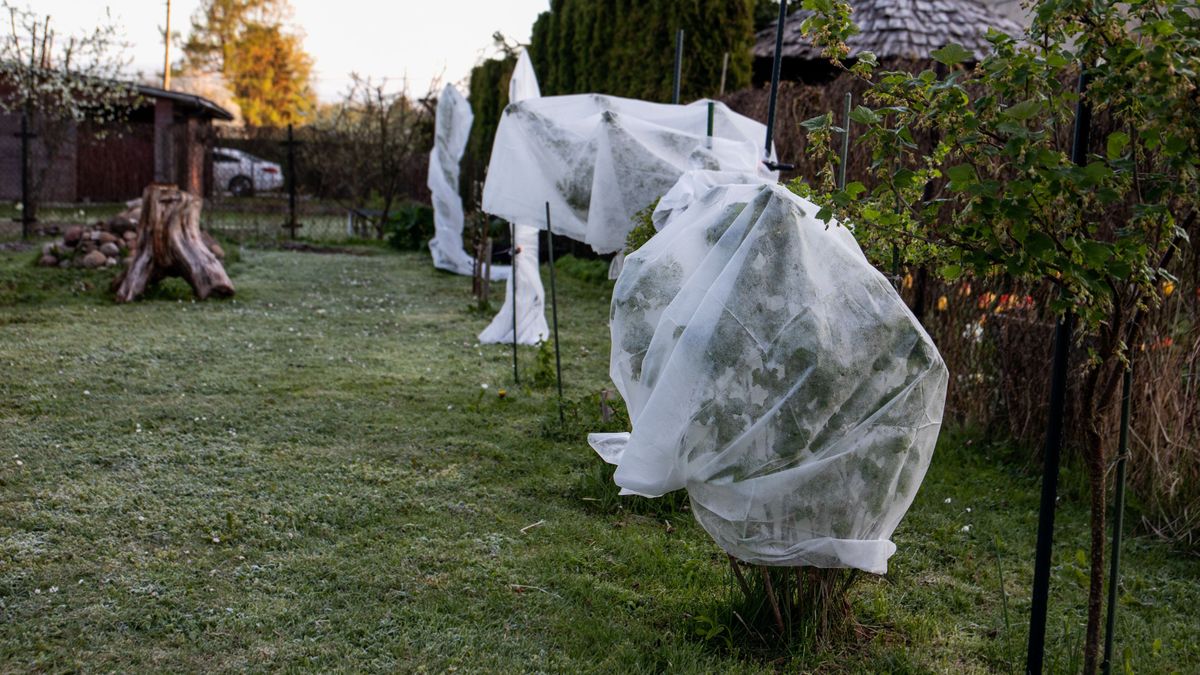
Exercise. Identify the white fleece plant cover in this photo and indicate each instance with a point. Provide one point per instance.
(531, 305)
(530, 298)
(598, 160)
(777, 376)
(452, 127)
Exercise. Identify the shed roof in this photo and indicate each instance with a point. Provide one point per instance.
(191, 103)
(909, 29)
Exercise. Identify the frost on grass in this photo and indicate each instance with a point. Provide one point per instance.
(774, 374)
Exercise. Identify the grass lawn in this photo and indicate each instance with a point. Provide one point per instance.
(259, 217)
(311, 477)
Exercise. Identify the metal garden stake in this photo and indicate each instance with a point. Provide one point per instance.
(775, 66)
(1054, 434)
(512, 228)
(678, 66)
(554, 311)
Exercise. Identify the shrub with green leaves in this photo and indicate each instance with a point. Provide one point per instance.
(410, 228)
(972, 174)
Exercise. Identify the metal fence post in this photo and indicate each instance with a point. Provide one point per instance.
(291, 225)
(28, 217)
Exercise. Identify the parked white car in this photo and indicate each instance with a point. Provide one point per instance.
(243, 174)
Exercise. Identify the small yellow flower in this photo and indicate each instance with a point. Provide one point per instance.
(502, 393)
(908, 281)
(942, 304)
(1168, 287)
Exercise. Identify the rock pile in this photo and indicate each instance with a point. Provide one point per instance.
(103, 244)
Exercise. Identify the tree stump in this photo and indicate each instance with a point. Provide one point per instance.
(169, 243)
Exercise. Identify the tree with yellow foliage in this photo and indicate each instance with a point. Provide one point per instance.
(250, 44)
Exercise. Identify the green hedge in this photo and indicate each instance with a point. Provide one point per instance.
(624, 48)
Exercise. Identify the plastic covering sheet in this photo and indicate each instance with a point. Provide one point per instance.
(452, 126)
(771, 371)
(598, 160)
(531, 296)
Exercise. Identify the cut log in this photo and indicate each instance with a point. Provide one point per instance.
(170, 243)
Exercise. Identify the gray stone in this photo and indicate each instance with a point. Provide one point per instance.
(94, 259)
(72, 236)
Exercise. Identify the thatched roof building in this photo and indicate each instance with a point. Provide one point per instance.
(893, 30)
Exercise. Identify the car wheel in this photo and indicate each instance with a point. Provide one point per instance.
(241, 186)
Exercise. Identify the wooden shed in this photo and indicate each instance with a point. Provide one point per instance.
(166, 137)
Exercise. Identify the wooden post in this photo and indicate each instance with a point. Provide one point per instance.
(193, 178)
(485, 281)
(164, 141)
(1114, 571)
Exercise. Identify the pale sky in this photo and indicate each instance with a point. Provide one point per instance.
(422, 39)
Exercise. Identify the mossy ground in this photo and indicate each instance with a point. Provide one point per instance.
(311, 477)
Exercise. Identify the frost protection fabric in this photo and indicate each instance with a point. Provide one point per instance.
(598, 160)
(524, 84)
(531, 304)
(531, 295)
(777, 376)
(694, 184)
(452, 126)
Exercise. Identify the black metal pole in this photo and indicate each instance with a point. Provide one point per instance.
(554, 311)
(291, 160)
(513, 278)
(1054, 435)
(27, 216)
(1114, 573)
(712, 107)
(775, 66)
(841, 182)
(678, 66)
